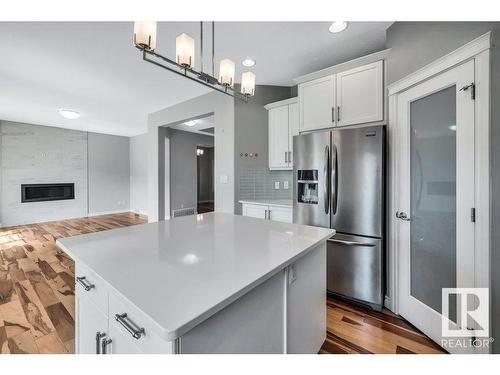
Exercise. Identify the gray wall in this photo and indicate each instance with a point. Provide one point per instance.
(415, 44)
(40, 154)
(183, 167)
(109, 173)
(139, 174)
(251, 131)
(222, 107)
(98, 165)
(205, 182)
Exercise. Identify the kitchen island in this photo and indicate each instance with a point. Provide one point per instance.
(210, 283)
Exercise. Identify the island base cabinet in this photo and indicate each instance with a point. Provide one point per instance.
(306, 303)
(253, 324)
(285, 314)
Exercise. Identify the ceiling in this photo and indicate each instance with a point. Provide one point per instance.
(203, 126)
(92, 67)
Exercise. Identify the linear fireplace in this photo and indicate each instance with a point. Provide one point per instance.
(47, 192)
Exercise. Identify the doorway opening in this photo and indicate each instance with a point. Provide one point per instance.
(191, 166)
(205, 178)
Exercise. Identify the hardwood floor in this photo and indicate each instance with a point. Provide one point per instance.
(37, 305)
(354, 329)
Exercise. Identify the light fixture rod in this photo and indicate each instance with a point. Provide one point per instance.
(183, 71)
(201, 46)
(213, 47)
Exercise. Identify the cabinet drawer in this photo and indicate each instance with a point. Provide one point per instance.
(148, 340)
(90, 285)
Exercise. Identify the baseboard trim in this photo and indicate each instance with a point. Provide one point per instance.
(387, 302)
(109, 212)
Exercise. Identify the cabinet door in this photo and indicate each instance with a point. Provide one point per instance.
(90, 321)
(255, 210)
(317, 103)
(306, 302)
(283, 214)
(120, 343)
(360, 95)
(293, 129)
(278, 138)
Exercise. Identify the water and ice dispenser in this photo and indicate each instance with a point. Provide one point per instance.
(307, 186)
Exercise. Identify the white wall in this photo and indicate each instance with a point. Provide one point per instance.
(139, 174)
(108, 173)
(40, 154)
(222, 106)
(98, 164)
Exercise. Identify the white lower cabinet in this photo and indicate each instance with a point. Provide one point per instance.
(283, 214)
(92, 325)
(268, 212)
(255, 210)
(285, 313)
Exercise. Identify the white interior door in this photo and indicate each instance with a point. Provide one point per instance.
(436, 195)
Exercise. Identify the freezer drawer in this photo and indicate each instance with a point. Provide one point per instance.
(355, 268)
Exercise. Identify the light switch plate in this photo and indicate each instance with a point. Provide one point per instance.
(276, 185)
(224, 179)
(285, 185)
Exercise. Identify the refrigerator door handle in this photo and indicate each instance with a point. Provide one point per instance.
(326, 189)
(351, 243)
(335, 179)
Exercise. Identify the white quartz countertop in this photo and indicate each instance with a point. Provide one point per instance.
(269, 202)
(180, 272)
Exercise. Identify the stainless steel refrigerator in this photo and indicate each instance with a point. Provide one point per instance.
(339, 182)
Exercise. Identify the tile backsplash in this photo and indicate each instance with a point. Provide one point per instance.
(258, 183)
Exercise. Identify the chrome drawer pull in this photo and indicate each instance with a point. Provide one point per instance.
(83, 282)
(130, 326)
(98, 337)
(351, 243)
(105, 344)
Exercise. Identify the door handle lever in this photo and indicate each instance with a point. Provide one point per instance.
(402, 216)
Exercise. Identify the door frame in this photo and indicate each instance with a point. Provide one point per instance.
(478, 50)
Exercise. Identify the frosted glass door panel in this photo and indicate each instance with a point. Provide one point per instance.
(433, 163)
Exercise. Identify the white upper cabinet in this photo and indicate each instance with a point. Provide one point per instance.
(317, 104)
(283, 125)
(360, 95)
(345, 97)
(293, 121)
(278, 137)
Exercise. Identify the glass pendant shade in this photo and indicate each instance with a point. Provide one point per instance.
(145, 35)
(184, 50)
(226, 72)
(248, 84)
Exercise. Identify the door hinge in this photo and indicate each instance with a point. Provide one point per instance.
(473, 214)
(472, 88)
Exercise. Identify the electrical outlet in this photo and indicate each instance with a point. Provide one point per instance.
(276, 185)
(285, 185)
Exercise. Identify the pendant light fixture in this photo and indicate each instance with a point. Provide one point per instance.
(226, 72)
(145, 41)
(248, 83)
(184, 50)
(145, 35)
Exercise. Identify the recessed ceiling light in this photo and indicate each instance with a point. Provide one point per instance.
(248, 63)
(338, 26)
(452, 127)
(68, 113)
(191, 123)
